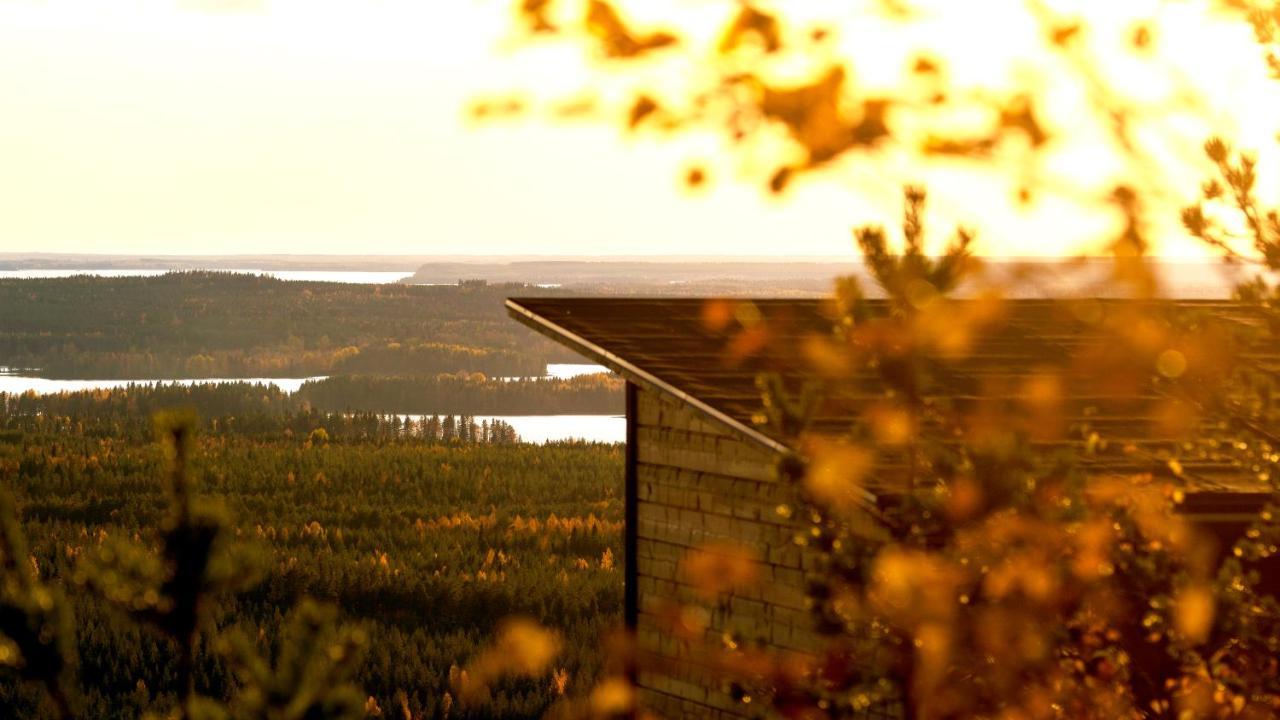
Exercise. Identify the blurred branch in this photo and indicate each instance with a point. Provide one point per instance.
(311, 677)
(196, 562)
(36, 636)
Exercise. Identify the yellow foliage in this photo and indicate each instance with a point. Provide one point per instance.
(751, 24)
(1193, 612)
(836, 473)
(720, 568)
(612, 698)
(522, 648)
(559, 681)
(912, 587)
(615, 38)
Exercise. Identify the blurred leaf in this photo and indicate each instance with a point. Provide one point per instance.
(522, 648)
(695, 177)
(642, 108)
(617, 40)
(814, 117)
(837, 473)
(718, 569)
(751, 24)
(1193, 612)
(537, 15)
(36, 635)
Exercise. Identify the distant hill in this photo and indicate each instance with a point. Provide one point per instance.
(658, 275)
(603, 271)
(1019, 278)
(202, 325)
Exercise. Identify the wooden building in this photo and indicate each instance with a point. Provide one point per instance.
(700, 466)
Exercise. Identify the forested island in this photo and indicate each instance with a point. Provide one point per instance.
(209, 324)
(442, 395)
(582, 395)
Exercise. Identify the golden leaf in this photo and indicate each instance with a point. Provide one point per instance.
(748, 24)
(933, 652)
(1042, 391)
(523, 648)
(720, 568)
(717, 314)
(836, 473)
(1019, 115)
(965, 498)
(826, 357)
(1193, 612)
(891, 424)
(643, 107)
(616, 38)
(912, 587)
(612, 698)
(535, 13)
(1171, 363)
(812, 115)
(780, 179)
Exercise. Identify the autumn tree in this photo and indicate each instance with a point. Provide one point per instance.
(1013, 579)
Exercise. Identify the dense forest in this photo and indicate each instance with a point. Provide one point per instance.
(420, 540)
(585, 394)
(207, 324)
(447, 394)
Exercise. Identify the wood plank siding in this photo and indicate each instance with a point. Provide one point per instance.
(699, 484)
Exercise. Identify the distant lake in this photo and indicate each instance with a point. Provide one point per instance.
(536, 429)
(541, 429)
(1092, 278)
(18, 384)
(564, 371)
(333, 276)
(49, 274)
(17, 381)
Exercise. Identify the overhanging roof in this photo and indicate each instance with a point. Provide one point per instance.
(666, 345)
(658, 352)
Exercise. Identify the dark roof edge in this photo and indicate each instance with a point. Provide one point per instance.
(634, 373)
(869, 501)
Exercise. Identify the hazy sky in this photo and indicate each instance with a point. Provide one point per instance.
(339, 126)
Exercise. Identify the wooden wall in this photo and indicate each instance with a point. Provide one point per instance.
(698, 483)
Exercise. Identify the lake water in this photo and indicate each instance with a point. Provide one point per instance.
(531, 428)
(1185, 280)
(541, 429)
(18, 384)
(334, 276)
(49, 274)
(537, 429)
(564, 371)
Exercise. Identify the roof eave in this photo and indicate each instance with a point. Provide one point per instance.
(636, 374)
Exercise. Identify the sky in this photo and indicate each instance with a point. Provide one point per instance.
(341, 127)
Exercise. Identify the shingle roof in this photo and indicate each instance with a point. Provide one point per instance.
(666, 345)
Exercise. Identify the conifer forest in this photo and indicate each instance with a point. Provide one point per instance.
(422, 538)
